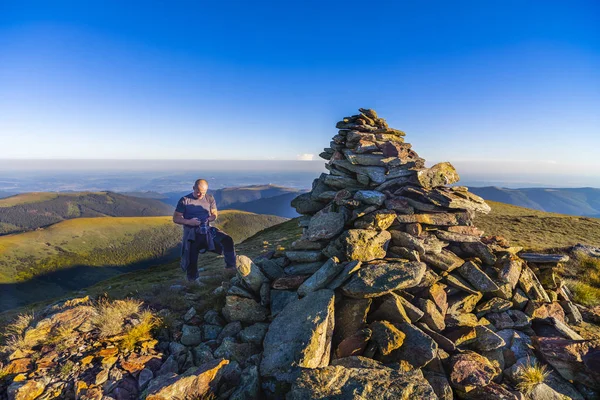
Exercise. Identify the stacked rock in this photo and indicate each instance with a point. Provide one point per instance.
(392, 292)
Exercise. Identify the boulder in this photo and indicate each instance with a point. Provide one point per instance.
(574, 360)
(330, 269)
(250, 273)
(339, 383)
(470, 370)
(299, 337)
(325, 224)
(379, 278)
(417, 350)
(194, 383)
(243, 309)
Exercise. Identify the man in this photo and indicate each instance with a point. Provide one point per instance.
(195, 212)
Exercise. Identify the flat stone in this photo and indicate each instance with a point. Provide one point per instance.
(365, 245)
(304, 204)
(391, 309)
(370, 197)
(321, 278)
(271, 269)
(288, 282)
(194, 383)
(511, 319)
(386, 336)
(299, 336)
(544, 258)
(303, 268)
(495, 304)
(479, 250)
(432, 316)
(476, 277)
(463, 303)
(350, 317)
(379, 278)
(325, 224)
(339, 383)
(445, 260)
(349, 268)
(532, 287)
(470, 370)
(377, 220)
(254, 333)
(575, 360)
(486, 339)
(354, 345)
(439, 219)
(306, 256)
(417, 350)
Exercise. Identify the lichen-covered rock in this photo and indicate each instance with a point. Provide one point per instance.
(361, 245)
(243, 309)
(250, 273)
(300, 336)
(339, 383)
(471, 370)
(325, 224)
(192, 384)
(378, 278)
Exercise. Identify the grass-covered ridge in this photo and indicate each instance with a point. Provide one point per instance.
(80, 252)
(538, 230)
(28, 211)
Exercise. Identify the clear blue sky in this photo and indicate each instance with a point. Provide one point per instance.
(469, 81)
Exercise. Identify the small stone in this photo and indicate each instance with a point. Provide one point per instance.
(386, 336)
(242, 309)
(470, 370)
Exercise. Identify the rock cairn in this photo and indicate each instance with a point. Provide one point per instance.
(392, 292)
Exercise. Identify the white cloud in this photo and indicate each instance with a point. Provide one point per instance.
(305, 157)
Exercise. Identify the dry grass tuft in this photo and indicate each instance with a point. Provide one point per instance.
(140, 332)
(529, 375)
(13, 337)
(111, 316)
(583, 293)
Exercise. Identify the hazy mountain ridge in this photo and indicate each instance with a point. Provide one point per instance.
(261, 199)
(28, 211)
(572, 201)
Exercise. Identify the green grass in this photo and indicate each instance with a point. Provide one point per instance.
(27, 198)
(538, 230)
(152, 284)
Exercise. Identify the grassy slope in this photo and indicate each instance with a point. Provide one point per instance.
(78, 253)
(28, 211)
(538, 230)
(27, 198)
(521, 226)
(42, 249)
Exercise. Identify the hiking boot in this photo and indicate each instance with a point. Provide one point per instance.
(230, 259)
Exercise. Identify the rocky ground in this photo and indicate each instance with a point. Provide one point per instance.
(390, 293)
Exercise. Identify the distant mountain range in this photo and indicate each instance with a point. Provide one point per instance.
(571, 201)
(260, 199)
(28, 211)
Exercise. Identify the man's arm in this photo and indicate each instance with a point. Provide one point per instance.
(178, 215)
(213, 210)
(178, 219)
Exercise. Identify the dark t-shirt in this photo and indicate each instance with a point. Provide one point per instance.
(192, 207)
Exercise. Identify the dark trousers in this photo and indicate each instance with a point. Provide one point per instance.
(223, 245)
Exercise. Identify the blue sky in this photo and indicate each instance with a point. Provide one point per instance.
(502, 84)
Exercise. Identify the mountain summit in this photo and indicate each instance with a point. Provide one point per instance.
(390, 292)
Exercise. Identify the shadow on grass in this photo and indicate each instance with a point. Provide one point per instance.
(77, 277)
